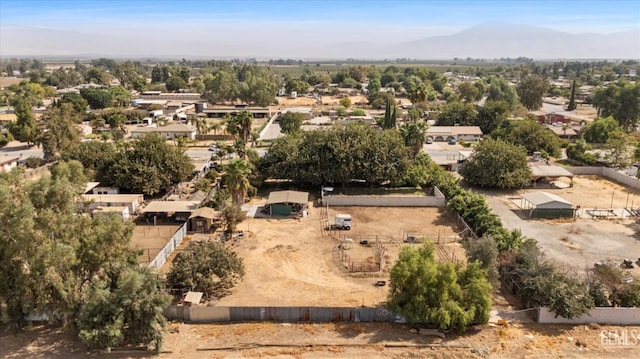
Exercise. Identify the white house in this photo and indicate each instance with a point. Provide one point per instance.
(458, 133)
(8, 163)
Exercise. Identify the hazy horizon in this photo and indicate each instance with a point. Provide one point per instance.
(279, 29)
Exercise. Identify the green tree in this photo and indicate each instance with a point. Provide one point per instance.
(374, 86)
(175, 83)
(60, 131)
(485, 252)
(414, 133)
(530, 91)
(290, 122)
(120, 95)
(124, 308)
(389, 121)
(572, 101)
(496, 163)
(53, 258)
(338, 155)
(207, 267)
(79, 104)
(620, 100)
(492, 115)
(449, 296)
(223, 86)
(96, 97)
(601, 130)
(566, 296)
(529, 134)
(456, 113)
(296, 85)
(260, 86)
(501, 90)
(236, 179)
(149, 165)
(25, 129)
(468, 91)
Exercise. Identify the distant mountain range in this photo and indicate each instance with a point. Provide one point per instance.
(490, 41)
(485, 41)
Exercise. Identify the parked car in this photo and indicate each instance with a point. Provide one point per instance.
(429, 140)
(213, 148)
(452, 141)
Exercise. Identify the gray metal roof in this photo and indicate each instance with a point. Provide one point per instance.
(545, 198)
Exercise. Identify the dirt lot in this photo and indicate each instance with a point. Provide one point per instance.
(578, 244)
(293, 256)
(151, 239)
(344, 340)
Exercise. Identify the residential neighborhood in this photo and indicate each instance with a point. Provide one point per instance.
(458, 207)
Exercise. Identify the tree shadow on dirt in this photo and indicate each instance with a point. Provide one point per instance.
(47, 341)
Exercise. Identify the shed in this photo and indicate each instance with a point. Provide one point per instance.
(547, 205)
(192, 298)
(204, 220)
(285, 203)
(172, 210)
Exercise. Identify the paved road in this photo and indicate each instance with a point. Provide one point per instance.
(20, 149)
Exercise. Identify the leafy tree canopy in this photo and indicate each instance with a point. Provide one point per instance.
(290, 122)
(78, 270)
(444, 294)
(530, 91)
(529, 134)
(496, 163)
(601, 130)
(338, 155)
(207, 267)
(456, 113)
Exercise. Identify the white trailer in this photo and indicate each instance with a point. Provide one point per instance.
(343, 221)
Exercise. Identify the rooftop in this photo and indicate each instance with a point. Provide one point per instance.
(541, 169)
(176, 127)
(457, 130)
(171, 206)
(288, 197)
(538, 198)
(113, 198)
(205, 212)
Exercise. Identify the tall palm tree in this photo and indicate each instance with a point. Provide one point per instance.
(414, 133)
(244, 120)
(236, 179)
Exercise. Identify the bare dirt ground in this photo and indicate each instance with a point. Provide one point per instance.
(290, 261)
(298, 101)
(343, 340)
(151, 239)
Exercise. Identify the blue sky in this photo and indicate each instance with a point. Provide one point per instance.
(572, 16)
(224, 23)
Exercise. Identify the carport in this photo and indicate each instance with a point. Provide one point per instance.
(543, 170)
(546, 205)
(285, 203)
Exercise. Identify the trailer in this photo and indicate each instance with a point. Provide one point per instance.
(343, 221)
